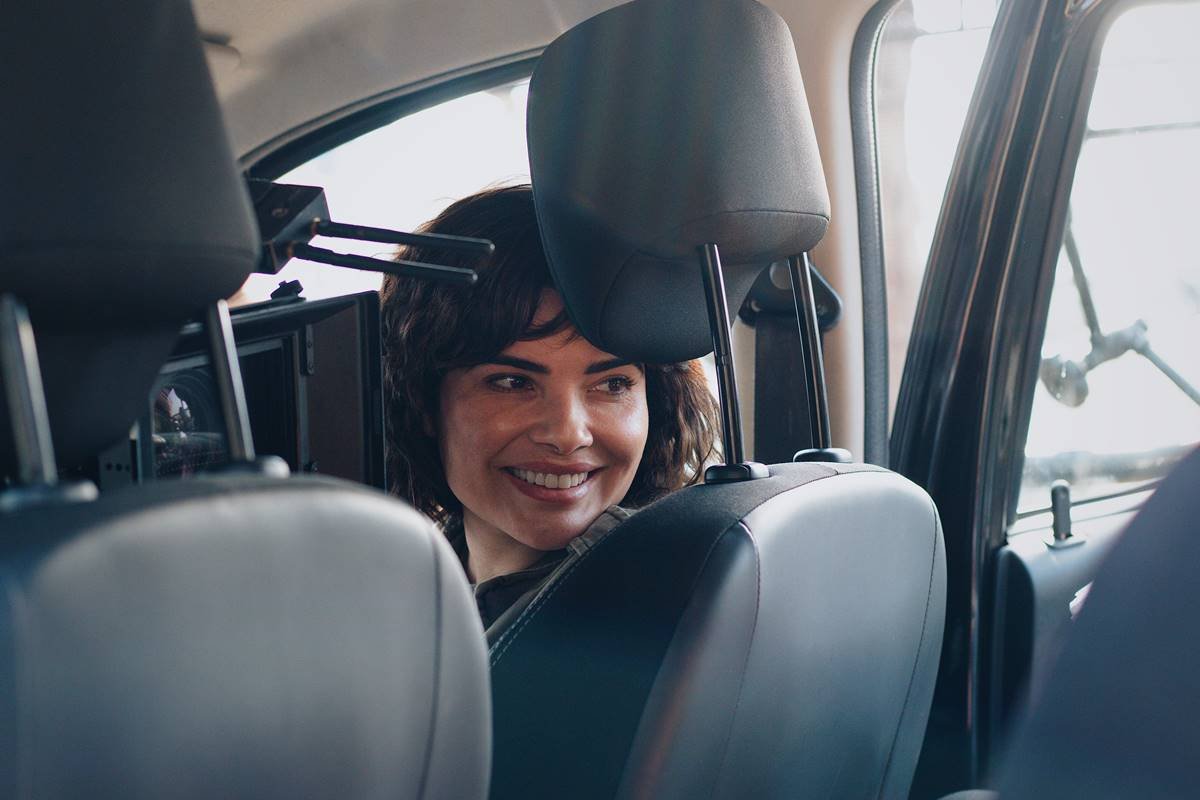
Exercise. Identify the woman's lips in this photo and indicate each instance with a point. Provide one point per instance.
(551, 480)
(545, 493)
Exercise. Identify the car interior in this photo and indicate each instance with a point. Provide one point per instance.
(942, 552)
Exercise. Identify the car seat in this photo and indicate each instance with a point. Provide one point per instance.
(1115, 715)
(236, 636)
(775, 632)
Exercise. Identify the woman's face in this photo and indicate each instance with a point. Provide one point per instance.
(538, 442)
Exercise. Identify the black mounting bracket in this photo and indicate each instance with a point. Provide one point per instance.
(290, 216)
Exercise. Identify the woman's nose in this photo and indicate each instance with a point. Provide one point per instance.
(564, 423)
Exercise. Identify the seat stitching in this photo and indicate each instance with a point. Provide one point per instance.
(937, 531)
(732, 211)
(608, 291)
(691, 589)
(507, 638)
(23, 688)
(746, 661)
(437, 671)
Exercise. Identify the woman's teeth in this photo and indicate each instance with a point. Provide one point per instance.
(550, 481)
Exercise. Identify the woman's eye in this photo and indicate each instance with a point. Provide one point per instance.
(615, 385)
(509, 383)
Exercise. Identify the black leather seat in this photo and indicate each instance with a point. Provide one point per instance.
(236, 636)
(776, 637)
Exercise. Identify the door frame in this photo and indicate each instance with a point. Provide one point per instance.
(971, 368)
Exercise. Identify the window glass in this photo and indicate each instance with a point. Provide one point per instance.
(926, 67)
(405, 173)
(1118, 400)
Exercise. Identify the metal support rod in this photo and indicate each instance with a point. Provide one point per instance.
(718, 323)
(1166, 369)
(1082, 286)
(800, 269)
(408, 269)
(1101, 342)
(228, 376)
(440, 241)
(22, 376)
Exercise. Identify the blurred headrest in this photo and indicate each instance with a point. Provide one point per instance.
(657, 127)
(124, 211)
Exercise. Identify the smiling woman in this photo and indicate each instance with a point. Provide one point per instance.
(537, 442)
(525, 441)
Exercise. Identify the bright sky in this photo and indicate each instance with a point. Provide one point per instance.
(404, 174)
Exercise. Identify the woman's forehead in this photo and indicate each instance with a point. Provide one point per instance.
(565, 347)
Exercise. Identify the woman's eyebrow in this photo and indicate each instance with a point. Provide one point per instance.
(605, 366)
(519, 363)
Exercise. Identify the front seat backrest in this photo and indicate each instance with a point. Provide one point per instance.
(776, 637)
(233, 636)
(237, 638)
(1116, 717)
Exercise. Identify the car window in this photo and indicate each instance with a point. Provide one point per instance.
(405, 173)
(926, 66)
(1117, 401)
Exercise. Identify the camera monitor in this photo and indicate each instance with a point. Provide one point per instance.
(312, 377)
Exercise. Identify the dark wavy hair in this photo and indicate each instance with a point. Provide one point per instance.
(432, 328)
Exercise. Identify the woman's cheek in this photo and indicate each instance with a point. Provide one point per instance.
(627, 425)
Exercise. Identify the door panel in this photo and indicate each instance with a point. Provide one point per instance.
(1115, 405)
(1038, 589)
(1022, 368)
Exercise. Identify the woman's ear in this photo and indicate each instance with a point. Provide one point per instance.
(428, 427)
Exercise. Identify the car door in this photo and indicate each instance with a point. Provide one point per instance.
(1054, 339)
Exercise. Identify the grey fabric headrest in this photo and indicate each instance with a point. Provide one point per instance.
(657, 127)
(125, 213)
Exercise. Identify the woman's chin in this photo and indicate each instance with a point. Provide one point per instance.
(547, 535)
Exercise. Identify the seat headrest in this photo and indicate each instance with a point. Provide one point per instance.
(654, 128)
(127, 214)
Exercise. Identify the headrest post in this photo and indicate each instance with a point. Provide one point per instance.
(801, 269)
(27, 412)
(735, 468)
(718, 321)
(228, 377)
